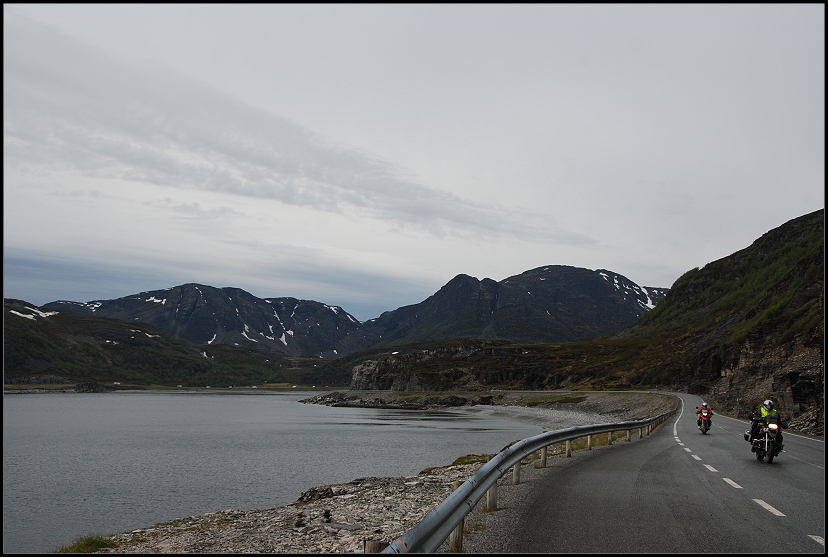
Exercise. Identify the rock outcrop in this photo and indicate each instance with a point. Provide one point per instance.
(792, 376)
(388, 400)
(410, 370)
(92, 387)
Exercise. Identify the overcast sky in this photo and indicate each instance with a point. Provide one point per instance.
(364, 155)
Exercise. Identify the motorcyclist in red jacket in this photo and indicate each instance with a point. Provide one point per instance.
(704, 406)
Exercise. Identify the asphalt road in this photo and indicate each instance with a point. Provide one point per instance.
(676, 491)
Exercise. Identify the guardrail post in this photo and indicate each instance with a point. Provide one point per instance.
(491, 495)
(628, 435)
(569, 448)
(516, 473)
(641, 433)
(491, 498)
(542, 463)
(456, 536)
(589, 442)
(374, 546)
(609, 438)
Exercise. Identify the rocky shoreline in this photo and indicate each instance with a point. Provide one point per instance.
(545, 408)
(326, 519)
(340, 518)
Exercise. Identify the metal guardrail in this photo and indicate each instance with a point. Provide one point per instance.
(435, 528)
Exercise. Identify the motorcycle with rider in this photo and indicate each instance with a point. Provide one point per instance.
(765, 433)
(704, 414)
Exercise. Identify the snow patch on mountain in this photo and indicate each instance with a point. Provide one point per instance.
(34, 312)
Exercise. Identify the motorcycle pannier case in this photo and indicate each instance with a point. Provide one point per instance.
(747, 435)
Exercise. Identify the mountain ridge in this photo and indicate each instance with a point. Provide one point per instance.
(553, 303)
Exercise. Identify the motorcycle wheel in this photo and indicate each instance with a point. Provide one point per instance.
(705, 427)
(760, 455)
(771, 449)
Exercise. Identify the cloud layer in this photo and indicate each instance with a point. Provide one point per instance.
(362, 156)
(71, 105)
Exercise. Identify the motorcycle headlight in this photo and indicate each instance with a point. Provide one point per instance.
(773, 426)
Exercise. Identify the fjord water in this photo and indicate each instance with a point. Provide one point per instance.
(78, 464)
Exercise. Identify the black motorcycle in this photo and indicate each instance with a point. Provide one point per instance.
(767, 443)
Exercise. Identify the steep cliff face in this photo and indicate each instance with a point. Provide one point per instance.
(437, 368)
(791, 375)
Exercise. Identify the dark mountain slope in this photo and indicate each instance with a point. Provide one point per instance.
(46, 346)
(550, 304)
(200, 314)
(555, 303)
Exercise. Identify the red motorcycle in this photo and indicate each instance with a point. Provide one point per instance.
(704, 417)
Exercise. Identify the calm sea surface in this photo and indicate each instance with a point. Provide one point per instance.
(78, 464)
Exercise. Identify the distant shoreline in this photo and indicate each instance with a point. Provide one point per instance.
(71, 389)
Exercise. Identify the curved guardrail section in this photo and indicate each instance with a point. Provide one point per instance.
(434, 529)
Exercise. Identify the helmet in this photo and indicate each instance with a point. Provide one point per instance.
(768, 404)
(704, 405)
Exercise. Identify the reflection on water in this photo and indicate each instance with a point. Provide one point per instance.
(75, 464)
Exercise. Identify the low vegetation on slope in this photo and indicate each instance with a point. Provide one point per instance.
(81, 348)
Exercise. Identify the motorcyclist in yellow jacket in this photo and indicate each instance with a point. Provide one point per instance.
(759, 417)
